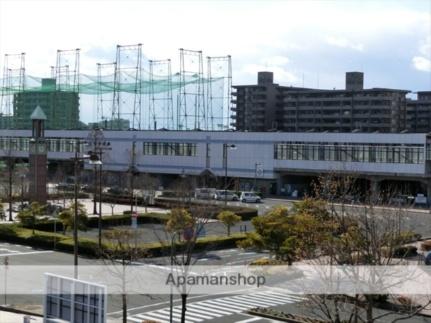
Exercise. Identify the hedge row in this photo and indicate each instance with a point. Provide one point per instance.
(89, 247)
(107, 221)
(244, 212)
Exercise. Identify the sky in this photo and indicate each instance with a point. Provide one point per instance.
(305, 43)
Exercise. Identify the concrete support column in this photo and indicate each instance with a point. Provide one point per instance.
(428, 186)
(374, 189)
(280, 183)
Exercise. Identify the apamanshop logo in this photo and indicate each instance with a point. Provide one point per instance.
(215, 280)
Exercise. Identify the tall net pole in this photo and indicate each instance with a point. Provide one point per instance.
(105, 94)
(192, 112)
(161, 100)
(128, 86)
(219, 92)
(67, 70)
(13, 82)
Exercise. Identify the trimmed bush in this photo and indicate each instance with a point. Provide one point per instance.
(245, 213)
(107, 221)
(89, 247)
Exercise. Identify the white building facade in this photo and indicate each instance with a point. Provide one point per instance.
(258, 156)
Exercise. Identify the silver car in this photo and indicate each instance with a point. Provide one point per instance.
(247, 197)
(223, 195)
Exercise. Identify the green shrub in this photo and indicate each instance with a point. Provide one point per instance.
(89, 247)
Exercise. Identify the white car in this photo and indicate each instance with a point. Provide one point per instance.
(247, 197)
(222, 195)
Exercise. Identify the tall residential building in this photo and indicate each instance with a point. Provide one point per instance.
(270, 107)
(61, 107)
(419, 113)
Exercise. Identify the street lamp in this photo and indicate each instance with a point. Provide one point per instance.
(226, 147)
(76, 160)
(99, 144)
(95, 160)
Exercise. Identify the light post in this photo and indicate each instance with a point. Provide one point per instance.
(226, 147)
(99, 144)
(22, 176)
(76, 160)
(133, 170)
(95, 160)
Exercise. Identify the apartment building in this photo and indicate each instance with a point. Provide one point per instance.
(270, 107)
(419, 113)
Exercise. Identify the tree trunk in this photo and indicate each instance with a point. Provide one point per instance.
(124, 295)
(124, 306)
(228, 230)
(370, 309)
(183, 307)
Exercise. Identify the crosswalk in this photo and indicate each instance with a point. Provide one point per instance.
(218, 307)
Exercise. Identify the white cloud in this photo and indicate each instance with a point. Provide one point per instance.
(425, 47)
(276, 60)
(280, 74)
(422, 64)
(344, 43)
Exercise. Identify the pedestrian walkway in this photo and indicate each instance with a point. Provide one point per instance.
(9, 317)
(218, 307)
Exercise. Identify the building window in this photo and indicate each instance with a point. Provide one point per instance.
(355, 152)
(169, 149)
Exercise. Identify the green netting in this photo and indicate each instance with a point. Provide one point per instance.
(93, 85)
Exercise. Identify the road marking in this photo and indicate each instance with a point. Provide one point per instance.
(258, 301)
(221, 307)
(215, 308)
(145, 317)
(25, 253)
(205, 308)
(194, 313)
(250, 320)
(8, 250)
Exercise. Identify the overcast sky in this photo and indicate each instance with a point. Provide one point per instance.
(309, 43)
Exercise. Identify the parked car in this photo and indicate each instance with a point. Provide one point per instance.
(247, 197)
(205, 193)
(223, 195)
(421, 200)
(117, 191)
(65, 187)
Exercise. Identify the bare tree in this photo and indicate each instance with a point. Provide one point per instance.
(365, 234)
(122, 251)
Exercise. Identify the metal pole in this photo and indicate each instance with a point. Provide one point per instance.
(22, 192)
(75, 221)
(95, 190)
(10, 166)
(225, 172)
(255, 177)
(100, 205)
(171, 296)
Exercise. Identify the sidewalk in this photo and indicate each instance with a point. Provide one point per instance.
(378, 207)
(9, 317)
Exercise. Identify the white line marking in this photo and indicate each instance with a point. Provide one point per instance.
(221, 307)
(210, 309)
(250, 320)
(256, 301)
(25, 253)
(192, 313)
(148, 317)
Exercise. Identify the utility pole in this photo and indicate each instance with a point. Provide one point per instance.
(225, 150)
(133, 171)
(10, 168)
(75, 221)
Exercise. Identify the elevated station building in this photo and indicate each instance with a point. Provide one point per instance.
(278, 162)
